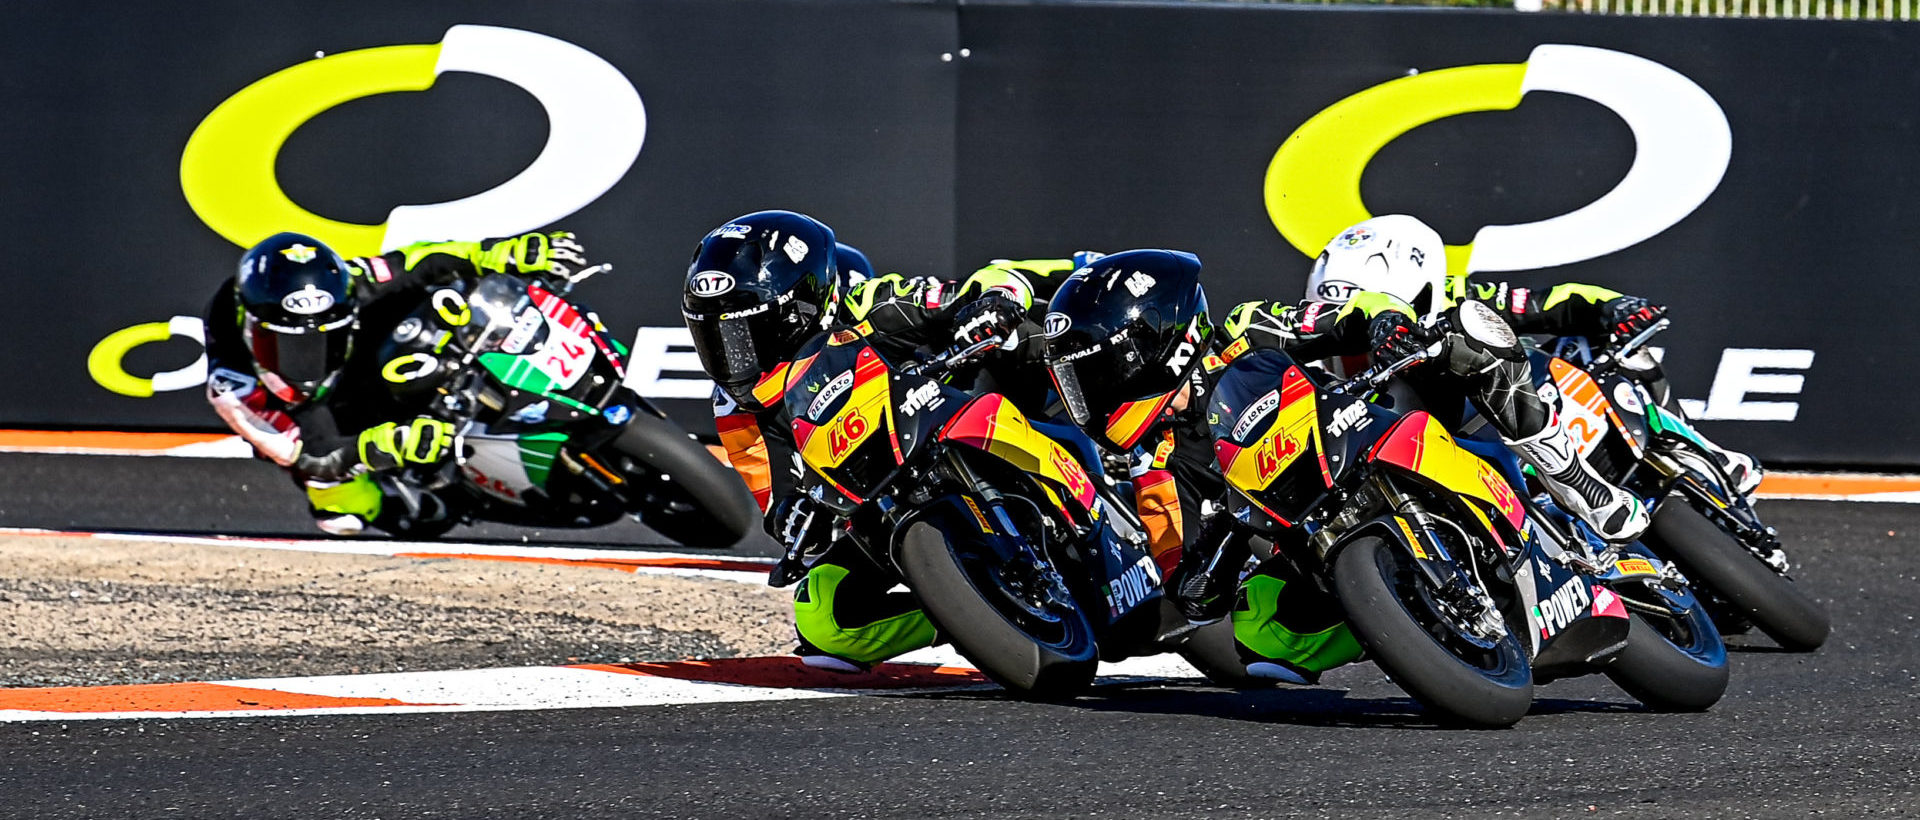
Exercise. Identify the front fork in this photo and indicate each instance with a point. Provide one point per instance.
(1732, 512)
(1013, 549)
(1459, 593)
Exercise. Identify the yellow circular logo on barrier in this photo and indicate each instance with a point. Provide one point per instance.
(596, 124)
(1682, 144)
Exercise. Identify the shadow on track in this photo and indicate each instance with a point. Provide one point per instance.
(1318, 707)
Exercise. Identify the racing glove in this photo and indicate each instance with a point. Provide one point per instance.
(992, 314)
(557, 255)
(805, 528)
(395, 444)
(1395, 336)
(1627, 316)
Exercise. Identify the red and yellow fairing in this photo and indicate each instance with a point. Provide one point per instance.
(1421, 445)
(1294, 431)
(993, 424)
(868, 410)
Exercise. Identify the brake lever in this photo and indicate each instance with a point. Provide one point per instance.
(1629, 347)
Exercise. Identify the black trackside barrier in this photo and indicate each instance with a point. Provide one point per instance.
(936, 136)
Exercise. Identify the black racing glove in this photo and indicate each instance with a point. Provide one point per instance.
(1395, 336)
(804, 527)
(1627, 316)
(992, 314)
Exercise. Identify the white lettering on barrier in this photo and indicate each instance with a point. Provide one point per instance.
(1735, 380)
(661, 350)
(663, 365)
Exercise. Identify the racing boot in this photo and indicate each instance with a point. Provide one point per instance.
(1743, 469)
(1614, 513)
(345, 525)
(1203, 585)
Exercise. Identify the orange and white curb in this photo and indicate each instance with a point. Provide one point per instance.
(585, 686)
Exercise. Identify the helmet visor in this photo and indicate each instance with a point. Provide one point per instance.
(736, 349)
(303, 357)
(1111, 384)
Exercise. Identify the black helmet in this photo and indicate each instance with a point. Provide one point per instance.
(758, 287)
(1123, 336)
(297, 299)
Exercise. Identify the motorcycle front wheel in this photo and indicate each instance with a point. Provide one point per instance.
(1421, 650)
(1674, 663)
(1044, 655)
(1715, 560)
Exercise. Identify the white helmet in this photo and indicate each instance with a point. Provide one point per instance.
(1393, 254)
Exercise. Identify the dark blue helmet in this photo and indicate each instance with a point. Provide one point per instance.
(296, 297)
(759, 286)
(1124, 334)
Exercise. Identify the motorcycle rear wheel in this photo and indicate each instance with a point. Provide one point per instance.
(680, 489)
(984, 626)
(1713, 559)
(1375, 583)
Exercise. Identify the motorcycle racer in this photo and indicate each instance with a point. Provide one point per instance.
(1372, 284)
(760, 286)
(1128, 340)
(1364, 258)
(291, 343)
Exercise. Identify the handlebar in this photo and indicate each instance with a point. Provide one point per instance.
(1627, 348)
(939, 365)
(1373, 377)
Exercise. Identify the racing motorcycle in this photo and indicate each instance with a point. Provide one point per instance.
(1006, 529)
(1700, 521)
(547, 434)
(1465, 592)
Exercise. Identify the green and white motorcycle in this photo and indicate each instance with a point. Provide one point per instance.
(548, 435)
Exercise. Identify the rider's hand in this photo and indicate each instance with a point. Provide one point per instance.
(1395, 336)
(804, 528)
(423, 440)
(558, 255)
(992, 314)
(1627, 316)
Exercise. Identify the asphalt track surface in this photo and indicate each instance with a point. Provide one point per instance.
(1828, 734)
(231, 497)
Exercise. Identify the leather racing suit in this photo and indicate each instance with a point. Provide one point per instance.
(323, 441)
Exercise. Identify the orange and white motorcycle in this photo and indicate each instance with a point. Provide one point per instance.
(1701, 521)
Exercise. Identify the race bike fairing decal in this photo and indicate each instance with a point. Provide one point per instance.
(773, 385)
(1587, 412)
(1420, 444)
(993, 424)
(1295, 428)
